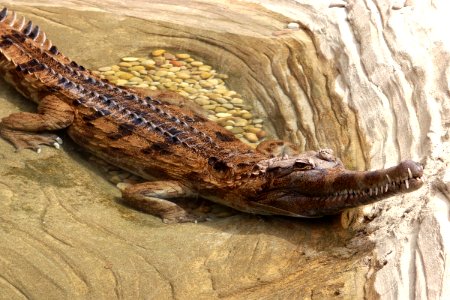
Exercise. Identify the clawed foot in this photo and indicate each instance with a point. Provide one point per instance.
(26, 140)
(155, 197)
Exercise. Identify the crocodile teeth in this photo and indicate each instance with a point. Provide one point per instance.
(376, 191)
(386, 188)
(410, 173)
(370, 192)
(407, 183)
(389, 178)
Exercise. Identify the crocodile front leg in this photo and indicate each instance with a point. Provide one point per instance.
(151, 197)
(24, 129)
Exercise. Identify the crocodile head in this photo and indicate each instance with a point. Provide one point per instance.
(316, 183)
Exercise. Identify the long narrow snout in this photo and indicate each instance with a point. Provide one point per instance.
(405, 177)
(324, 192)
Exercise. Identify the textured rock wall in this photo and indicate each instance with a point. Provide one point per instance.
(369, 79)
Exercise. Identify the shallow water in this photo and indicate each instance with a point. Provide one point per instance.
(65, 234)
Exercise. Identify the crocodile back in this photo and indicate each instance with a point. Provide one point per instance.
(147, 135)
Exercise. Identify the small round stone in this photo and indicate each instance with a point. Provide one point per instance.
(241, 122)
(237, 130)
(261, 134)
(213, 81)
(183, 93)
(177, 63)
(104, 69)
(148, 62)
(126, 76)
(107, 73)
(257, 121)
(125, 64)
(209, 106)
(129, 59)
(251, 137)
(182, 55)
(190, 90)
(229, 122)
(137, 68)
(206, 84)
(161, 73)
(221, 100)
(183, 75)
(202, 101)
(111, 78)
(253, 129)
(136, 79)
(121, 82)
(169, 56)
(205, 75)
(223, 115)
(220, 109)
(247, 115)
(158, 52)
(142, 85)
(196, 63)
(237, 101)
(204, 68)
(159, 60)
(221, 90)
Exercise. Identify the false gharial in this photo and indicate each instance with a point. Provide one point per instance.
(164, 139)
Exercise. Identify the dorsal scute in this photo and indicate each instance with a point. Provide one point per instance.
(30, 32)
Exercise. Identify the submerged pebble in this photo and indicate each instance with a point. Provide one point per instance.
(130, 59)
(194, 80)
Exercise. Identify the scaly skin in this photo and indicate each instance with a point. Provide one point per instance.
(158, 135)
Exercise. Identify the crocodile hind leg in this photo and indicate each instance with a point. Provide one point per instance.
(25, 130)
(151, 197)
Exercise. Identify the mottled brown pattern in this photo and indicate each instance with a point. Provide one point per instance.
(159, 134)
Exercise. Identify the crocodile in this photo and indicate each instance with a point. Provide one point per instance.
(168, 142)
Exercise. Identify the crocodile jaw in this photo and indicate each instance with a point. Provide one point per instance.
(318, 192)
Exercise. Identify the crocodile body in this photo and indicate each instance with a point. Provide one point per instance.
(159, 135)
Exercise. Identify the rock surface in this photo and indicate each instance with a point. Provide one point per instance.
(369, 79)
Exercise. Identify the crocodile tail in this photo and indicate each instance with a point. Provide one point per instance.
(15, 29)
(29, 60)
